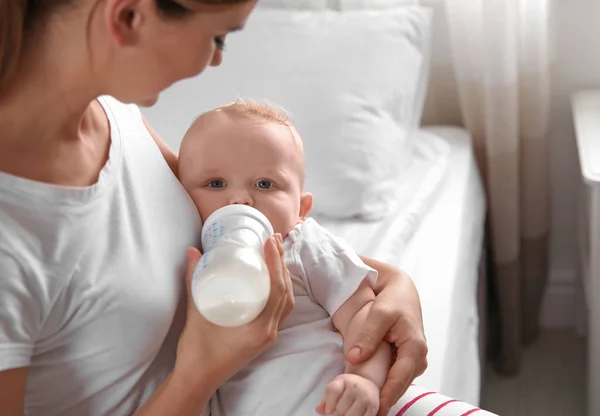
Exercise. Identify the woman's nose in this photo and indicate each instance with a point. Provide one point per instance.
(217, 58)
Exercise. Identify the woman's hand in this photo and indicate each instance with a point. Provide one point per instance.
(395, 317)
(207, 354)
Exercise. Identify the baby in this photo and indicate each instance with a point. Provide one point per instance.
(247, 153)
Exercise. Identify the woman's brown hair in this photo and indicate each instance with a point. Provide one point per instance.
(17, 18)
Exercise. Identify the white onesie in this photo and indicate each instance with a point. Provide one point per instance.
(290, 378)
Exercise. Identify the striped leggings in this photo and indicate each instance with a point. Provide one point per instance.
(419, 401)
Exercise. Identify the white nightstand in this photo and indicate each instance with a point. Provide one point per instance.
(586, 113)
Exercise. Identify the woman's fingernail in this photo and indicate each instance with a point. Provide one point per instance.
(354, 353)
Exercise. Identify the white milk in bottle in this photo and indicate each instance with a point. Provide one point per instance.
(231, 284)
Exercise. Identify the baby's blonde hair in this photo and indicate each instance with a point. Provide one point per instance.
(262, 110)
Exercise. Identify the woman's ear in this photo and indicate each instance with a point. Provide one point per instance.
(306, 203)
(123, 18)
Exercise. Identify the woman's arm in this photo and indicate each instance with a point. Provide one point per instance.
(395, 317)
(177, 396)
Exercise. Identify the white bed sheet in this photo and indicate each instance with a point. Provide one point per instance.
(437, 239)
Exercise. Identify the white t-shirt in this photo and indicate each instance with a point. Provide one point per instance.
(290, 378)
(91, 278)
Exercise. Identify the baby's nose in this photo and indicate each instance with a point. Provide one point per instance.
(241, 199)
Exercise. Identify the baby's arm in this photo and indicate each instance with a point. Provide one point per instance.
(349, 320)
(358, 389)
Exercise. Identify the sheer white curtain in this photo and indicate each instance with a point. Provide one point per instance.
(502, 61)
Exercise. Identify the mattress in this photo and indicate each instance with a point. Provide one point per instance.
(437, 238)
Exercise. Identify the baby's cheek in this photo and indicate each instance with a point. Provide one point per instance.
(206, 211)
(280, 211)
(205, 202)
(287, 224)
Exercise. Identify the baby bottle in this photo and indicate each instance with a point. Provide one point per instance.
(231, 284)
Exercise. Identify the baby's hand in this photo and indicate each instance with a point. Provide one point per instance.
(350, 395)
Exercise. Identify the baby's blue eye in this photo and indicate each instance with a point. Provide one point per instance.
(264, 184)
(216, 183)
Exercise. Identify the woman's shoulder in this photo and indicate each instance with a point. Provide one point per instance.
(129, 126)
(124, 119)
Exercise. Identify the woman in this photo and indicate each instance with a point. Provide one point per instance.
(94, 224)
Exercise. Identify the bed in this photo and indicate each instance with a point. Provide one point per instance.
(441, 250)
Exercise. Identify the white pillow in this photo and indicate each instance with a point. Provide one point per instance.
(349, 79)
(345, 5)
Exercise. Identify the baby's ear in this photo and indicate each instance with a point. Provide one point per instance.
(306, 203)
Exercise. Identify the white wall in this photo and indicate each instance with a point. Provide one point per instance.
(577, 66)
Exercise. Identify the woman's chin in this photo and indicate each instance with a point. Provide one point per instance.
(147, 102)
